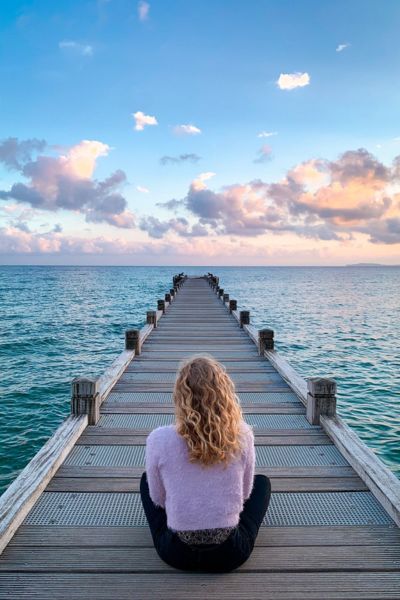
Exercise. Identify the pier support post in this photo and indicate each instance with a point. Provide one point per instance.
(265, 340)
(85, 399)
(321, 399)
(220, 292)
(172, 292)
(232, 306)
(161, 305)
(151, 318)
(226, 298)
(132, 340)
(168, 298)
(244, 316)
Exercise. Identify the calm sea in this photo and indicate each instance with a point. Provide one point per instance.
(60, 322)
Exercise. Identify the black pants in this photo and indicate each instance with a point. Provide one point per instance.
(224, 557)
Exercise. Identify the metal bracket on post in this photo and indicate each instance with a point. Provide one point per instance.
(85, 399)
(321, 399)
(132, 340)
(265, 340)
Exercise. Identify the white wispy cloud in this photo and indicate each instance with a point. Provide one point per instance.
(141, 120)
(266, 134)
(143, 10)
(82, 49)
(186, 130)
(342, 47)
(290, 81)
(198, 183)
(142, 189)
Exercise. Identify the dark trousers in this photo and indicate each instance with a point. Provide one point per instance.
(224, 557)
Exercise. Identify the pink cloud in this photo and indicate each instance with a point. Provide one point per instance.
(66, 181)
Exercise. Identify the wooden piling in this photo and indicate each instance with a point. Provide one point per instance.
(85, 399)
(321, 399)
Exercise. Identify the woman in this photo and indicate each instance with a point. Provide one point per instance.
(203, 504)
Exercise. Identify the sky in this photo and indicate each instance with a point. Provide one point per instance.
(202, 132)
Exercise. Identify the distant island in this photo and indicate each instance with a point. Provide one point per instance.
(369, 265)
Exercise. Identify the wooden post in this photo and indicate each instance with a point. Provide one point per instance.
(321, 399)
(172, 292)
(216, 289)
(132, 340)
(168, 298)
(151, 318)
(220, 292)
(85, 399)
(232, 305)
(244, 318)
(161, 305)
(226, 298)
(265, 340)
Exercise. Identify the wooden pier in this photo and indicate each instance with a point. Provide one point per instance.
(72, 525)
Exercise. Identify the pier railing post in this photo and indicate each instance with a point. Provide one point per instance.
(232, 305)
(161, 305)
(172, 293)
(151, 318)
(321, 399)
(168, 298)
(221, 292)
(85, 399)
(226, 298)
(265, 340)
(244, 318)
(132, 340)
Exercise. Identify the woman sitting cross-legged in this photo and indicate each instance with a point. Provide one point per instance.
(202, 501)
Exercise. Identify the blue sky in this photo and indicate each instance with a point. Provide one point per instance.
(75, 71)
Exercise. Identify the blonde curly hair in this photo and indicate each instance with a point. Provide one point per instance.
(207, 411)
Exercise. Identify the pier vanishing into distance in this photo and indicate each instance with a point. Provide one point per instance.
(72, 524)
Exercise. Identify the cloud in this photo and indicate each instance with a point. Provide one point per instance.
(198, 183)
(165, 160)
(142, 189)
(76, 47)
(321, 199)
(186, 130)
(65, 182)
(13, 153)
(143, 10)
(141, 120)
(342, 47)
(264, 154)
(266, 134)
(290, 81)
(157, 228)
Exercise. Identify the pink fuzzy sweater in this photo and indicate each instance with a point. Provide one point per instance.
(197, 497)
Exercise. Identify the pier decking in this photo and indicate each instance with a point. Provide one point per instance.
(325, 534)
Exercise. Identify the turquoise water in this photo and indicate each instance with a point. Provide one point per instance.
(60, 322)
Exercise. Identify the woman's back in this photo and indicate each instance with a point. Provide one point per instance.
(195, 496)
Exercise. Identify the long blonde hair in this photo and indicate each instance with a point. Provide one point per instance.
(207, 411)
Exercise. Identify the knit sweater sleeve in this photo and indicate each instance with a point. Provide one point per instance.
(249, 465)
(156, 486)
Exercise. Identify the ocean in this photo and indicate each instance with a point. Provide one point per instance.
(57, 323)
